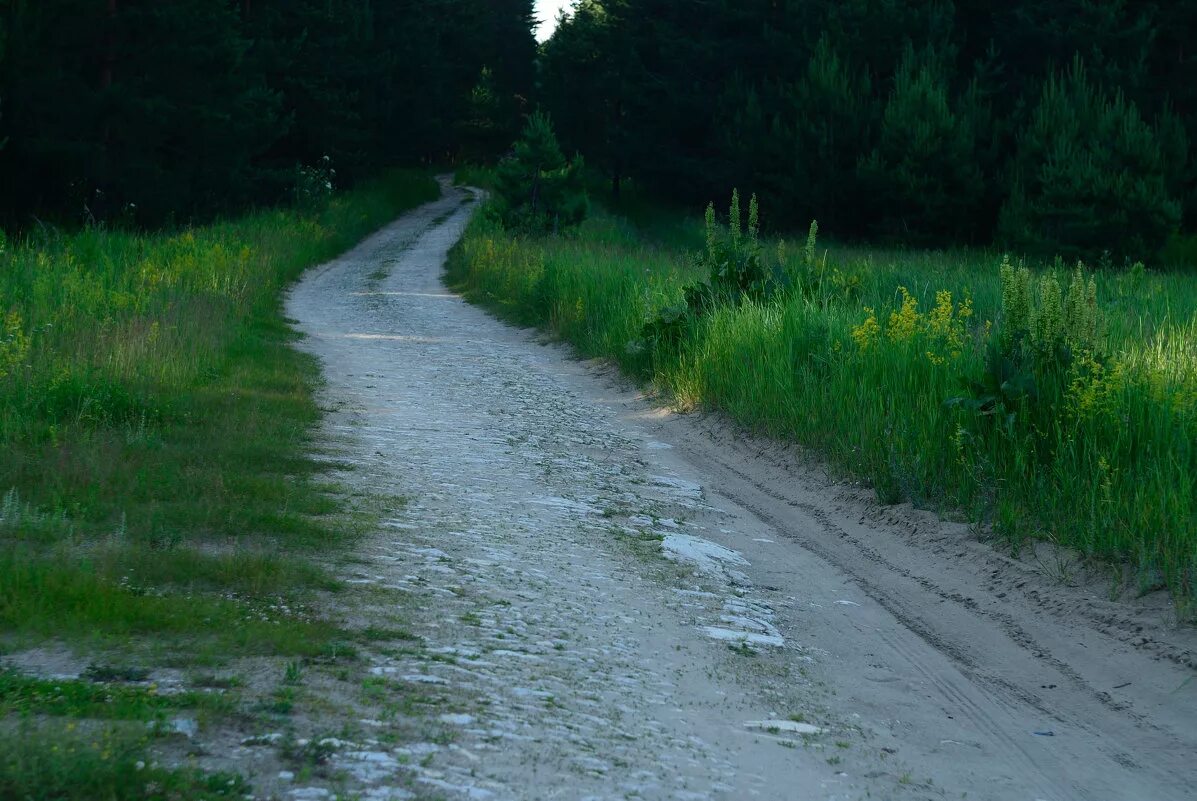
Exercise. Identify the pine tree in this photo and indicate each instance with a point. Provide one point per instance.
(585, 80)
(875, 34)
(192, 108)
(1089, 176)
(834, 117)
(184, 120)
(537, 189)
(922, 182)
(759, 147)
(51, 112)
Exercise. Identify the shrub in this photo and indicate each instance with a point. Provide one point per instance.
(536, 189)
(736, 271)
(1089, 176)
(1047, 338)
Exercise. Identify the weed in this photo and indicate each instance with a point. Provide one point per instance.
(307, 756)
(108, 673)
(293, 674)
(742, 648)
(280, 702)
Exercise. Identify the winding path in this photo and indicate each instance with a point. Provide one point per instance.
(626, 604)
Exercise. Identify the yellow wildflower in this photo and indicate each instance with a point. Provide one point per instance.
(904, 323)
(868, 332)
(14, 344)
(939, 319)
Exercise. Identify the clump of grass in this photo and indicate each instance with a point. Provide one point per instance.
(25, 695)
(309, 759)
(155, 428)
(293, 674)
(109, 763)
(1082, 412)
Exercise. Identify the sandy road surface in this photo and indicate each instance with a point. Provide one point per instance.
(625, 603)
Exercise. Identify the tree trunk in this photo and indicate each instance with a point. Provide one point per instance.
(109, 65)
(535, 189)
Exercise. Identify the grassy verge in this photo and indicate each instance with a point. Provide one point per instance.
(858, 357)
(155, 424)
(159, 497)
(44, 764)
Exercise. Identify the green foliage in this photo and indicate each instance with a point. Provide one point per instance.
(1054, 329)
(474, 175)
(113, 764)
(98, 699)
(1089, 176)
(585, 75)
(1181, 251)
(149, 113)
(154, 422)
(536, 189)
(1088, 439)
(14, 344)
(922, 178)
(815, 279)
(1043, 336)
(482, 129)
(835, 111)
(736, 271)
(825, 112)
(314, 185)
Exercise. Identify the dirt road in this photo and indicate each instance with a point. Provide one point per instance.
(625, 603)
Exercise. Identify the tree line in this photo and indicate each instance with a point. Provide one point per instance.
(152, 111)
(1055, 126)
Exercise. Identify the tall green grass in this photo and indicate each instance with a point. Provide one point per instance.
(155, 427)
(1108, 468)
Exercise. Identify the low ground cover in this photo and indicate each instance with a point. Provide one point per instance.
(162, 497)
